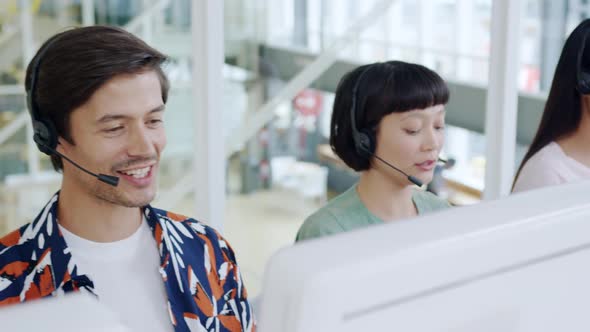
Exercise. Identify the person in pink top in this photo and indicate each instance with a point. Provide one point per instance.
(560, 151)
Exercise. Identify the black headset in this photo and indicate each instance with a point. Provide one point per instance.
(364, 139)
(45, 134)
(583, 77)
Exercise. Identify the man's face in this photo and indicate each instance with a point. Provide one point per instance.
(119, 132)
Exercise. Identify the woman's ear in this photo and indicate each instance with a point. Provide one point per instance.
(62, 145)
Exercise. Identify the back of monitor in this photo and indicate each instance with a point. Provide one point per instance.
(69, 313)
(518, 264)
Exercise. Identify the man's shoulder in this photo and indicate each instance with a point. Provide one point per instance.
(176, 217)
(172, 216)
(32, 238)
(11, 239)
(12, 247)
(194, 232)
(17, 259)
(188, 222)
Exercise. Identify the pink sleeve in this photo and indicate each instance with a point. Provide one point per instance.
(537, 173)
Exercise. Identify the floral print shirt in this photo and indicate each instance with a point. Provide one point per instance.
(198, 267)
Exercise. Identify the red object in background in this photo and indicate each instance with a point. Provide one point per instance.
(264, 170)
(308, 102)
(263, 137)
(532, 79)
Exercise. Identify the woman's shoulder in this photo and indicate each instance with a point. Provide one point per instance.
(320, 223)
(546, 156)
(331, 218)
(426, 201)
(542, 169)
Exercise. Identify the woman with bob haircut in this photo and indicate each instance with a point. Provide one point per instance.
(388, 124)
(560, 150)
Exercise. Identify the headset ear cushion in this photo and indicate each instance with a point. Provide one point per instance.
(45, 136)
(366, 146)
(584, 83)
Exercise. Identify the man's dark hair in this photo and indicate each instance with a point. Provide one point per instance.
(385, 88)
(81, 60)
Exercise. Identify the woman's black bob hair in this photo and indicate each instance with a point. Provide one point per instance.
(384, 88)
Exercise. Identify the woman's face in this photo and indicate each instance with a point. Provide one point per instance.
(411, 141)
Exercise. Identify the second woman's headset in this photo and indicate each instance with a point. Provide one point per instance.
(583, 76)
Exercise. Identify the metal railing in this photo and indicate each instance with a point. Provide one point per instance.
(258, 119)
(135, 26)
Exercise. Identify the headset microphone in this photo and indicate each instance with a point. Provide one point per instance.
(108, 179)
(45, 134)
(410, 178)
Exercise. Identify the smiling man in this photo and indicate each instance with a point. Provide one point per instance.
(97, 97)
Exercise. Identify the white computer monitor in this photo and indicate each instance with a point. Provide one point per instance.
(73, 312)
(521, 263)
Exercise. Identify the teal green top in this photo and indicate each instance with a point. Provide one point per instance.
(346, 212)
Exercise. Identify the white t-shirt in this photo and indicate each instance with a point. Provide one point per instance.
(550, 166)
(126, 277)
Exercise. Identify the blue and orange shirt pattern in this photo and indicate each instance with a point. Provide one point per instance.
(198, 267)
